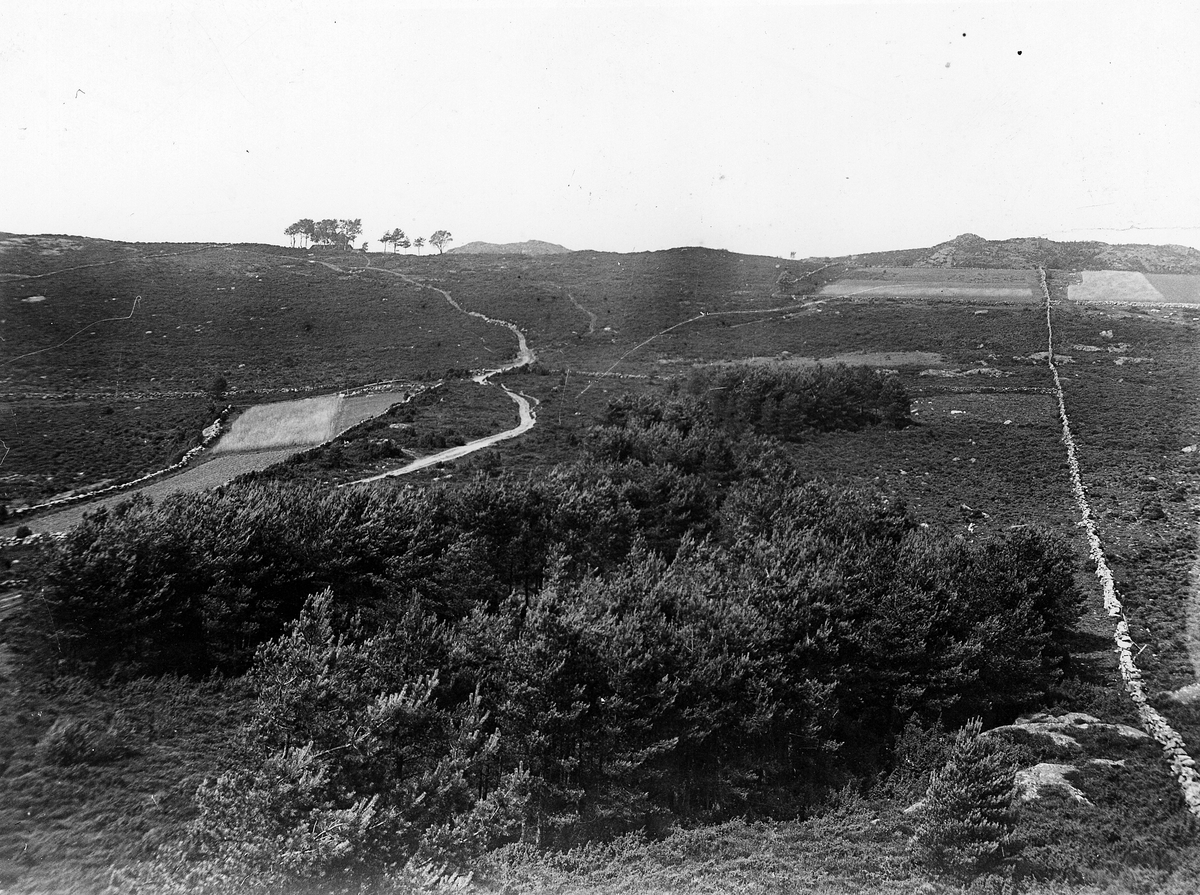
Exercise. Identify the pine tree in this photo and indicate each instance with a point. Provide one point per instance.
(966, 824)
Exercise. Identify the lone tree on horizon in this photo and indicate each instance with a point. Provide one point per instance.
(440, 238)
(419, 242)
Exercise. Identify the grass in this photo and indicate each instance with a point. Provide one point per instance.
(1176, 287)
(1011, 286)
(63, 444)
(997, 463)
(1131, 423)
(447, 415)
(1115, 286)
(264, 319)
(62, 826)
(306, 421)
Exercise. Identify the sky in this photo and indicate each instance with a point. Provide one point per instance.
(769, 128)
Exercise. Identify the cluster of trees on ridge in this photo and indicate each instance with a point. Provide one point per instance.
(678, 625)
(328, 231)
(398, 240)
(343, 233)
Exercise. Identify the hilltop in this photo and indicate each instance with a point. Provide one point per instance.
(970, 250)
(528, 247)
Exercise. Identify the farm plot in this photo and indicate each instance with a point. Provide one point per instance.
(996, 286)
(305, 422)
(1114, 287)
(1177, 288)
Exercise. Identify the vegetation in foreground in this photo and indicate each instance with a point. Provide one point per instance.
(677, 629)
(101, 763)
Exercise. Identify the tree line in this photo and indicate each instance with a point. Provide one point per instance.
(680, 625)
(399, 240)
(328, 231)
(344, 232)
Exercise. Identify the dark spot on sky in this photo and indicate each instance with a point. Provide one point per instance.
(1018, 52)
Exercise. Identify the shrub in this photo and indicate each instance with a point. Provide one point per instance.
(72, 741)
(967, 821)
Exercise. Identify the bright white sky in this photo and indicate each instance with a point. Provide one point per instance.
(819, 128)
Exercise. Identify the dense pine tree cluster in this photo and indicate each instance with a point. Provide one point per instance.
(679, 625)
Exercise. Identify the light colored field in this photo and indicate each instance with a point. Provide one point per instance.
(361, 408)
(853, 359)
(893, 289)
(227, 463)
(948, 276)
(302, 423)
(307, 421)
(1178, 288)
(1016, 409)
(1115, 286)
(970, 284)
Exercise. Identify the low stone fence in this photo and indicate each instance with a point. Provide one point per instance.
(1175, 750)
(208, 435)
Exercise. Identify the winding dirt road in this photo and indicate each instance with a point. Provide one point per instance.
(527, 418)
(225, 467)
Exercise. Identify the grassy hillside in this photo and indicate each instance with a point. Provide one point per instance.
(969, 250)
(500, 546)
(528, 247)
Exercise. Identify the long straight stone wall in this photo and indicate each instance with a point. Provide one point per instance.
(1175, 750)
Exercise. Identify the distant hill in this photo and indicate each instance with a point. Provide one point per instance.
(969, 250)
(528, 247)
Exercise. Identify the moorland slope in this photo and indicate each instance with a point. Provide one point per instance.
(528, 247)
(703, 628)
(969, 250)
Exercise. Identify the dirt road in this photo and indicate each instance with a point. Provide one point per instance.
(222, 468)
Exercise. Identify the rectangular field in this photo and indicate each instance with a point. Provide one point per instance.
(937, 284)
(1115, 287)
(304, 422)
(1177, 288)
(308, 421)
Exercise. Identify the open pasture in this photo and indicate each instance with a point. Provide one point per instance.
(1114, 287)
(1006, 408)
(1177, 288)
(885, 359)
(937, 284)
(306, 421)
(301, 423)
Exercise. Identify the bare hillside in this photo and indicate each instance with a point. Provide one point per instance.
(970, 250)
(528, 247)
